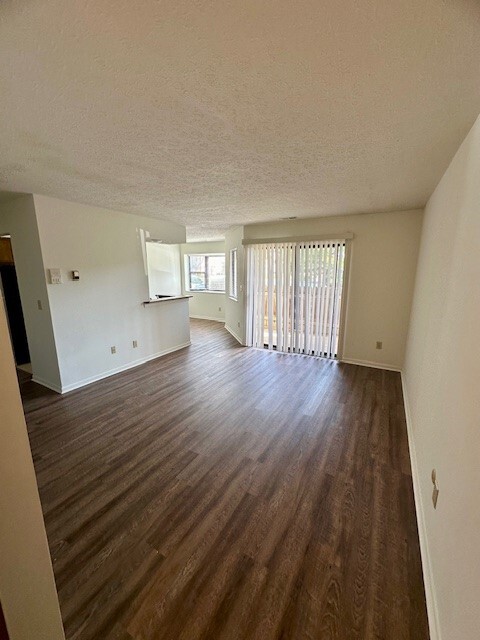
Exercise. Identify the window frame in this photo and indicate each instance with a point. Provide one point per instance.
(233, 274)
(188, 273)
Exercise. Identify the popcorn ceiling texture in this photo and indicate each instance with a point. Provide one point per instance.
(214, 114)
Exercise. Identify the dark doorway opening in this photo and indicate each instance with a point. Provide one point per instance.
(13, 304)
(3, 626)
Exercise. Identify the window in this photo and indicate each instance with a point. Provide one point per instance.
(205, 272)
(233, 274)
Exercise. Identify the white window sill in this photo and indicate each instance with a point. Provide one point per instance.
(193, 292)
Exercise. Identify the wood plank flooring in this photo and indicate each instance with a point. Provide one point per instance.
(229, 493)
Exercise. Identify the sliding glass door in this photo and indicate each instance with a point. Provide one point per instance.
(294, 296)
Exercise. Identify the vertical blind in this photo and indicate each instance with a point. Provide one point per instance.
(294, 294)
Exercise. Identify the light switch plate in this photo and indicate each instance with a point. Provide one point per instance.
(55, 276)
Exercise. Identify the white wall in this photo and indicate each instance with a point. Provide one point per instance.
(210, 306)
(27, 587)
(441, 379)
(17, 217)
(104, 308)
(163, 268)
(235, 309)
(382, 274)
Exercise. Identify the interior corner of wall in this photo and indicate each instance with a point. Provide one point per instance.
(430, 595)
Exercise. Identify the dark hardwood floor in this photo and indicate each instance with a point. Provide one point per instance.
(224, 492)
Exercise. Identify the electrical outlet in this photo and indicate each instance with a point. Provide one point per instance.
(219, 308)
(379, 345)
(135, 344)
(39, 305)
(238, 325)
(113, 349)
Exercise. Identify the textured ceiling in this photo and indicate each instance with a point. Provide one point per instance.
(221, 113)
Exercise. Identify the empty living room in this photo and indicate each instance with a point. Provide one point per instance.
(239, 368)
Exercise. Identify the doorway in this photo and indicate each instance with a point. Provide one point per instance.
(3, 626)
(295, 296)
(13, 305)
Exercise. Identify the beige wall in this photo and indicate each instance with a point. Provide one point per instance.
(382, 273)
(104, 308)
(18, 218)
(27, 587)
(235, 309)
(441, 379)
(202, 304)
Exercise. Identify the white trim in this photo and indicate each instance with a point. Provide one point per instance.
(205, 253)
(208, 318)
(125, 367)
(432, 609)
(193, 292)
(373, 365)
(335, 237)
(232, 252)
(48, 385)
(344, 299)
(232, 332)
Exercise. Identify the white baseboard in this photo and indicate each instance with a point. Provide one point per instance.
(232, 332)
(208, 318)
(432, 609)
(374, 365)
(48, 385)
(125, 367)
